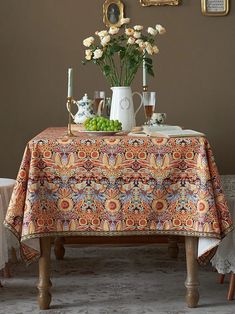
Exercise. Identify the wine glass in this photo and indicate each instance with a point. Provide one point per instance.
(149, 100)
(99, 99)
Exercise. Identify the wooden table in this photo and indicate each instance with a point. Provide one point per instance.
(117, 186)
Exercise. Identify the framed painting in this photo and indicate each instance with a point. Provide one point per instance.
(146, 3)
(113, 12)
(215, 7)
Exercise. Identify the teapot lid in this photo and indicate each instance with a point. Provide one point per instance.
(84, 99)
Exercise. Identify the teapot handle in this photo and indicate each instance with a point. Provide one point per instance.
(141, 101)
(68, 105)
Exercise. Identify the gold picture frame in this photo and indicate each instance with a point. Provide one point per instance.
(113, 12)
(147, 3)
(215, 7)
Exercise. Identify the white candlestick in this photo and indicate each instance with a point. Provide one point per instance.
(144, 74)
(70, 82)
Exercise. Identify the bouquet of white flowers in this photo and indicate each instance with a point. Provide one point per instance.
(120, 55)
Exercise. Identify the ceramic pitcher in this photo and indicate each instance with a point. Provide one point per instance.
(122, 107)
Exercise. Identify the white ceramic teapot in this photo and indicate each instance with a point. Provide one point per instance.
(84, 110)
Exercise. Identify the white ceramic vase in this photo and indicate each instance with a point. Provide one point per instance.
(122, 107)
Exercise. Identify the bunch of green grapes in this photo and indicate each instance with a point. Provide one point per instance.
(102, 124)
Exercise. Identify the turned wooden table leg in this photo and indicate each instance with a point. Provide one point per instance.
(59, 248)
(7, 271)
(44, 285)
(221, 278)
(191, 283)
(231, 290)
(173, 249)
(14, 259)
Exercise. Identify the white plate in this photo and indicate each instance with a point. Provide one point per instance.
(100, 133)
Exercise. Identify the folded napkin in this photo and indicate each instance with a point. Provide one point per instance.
(160, 127)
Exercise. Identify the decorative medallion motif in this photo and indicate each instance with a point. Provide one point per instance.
(125, 103)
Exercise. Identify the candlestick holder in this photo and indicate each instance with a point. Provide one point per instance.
(69, 103)
(145, 88)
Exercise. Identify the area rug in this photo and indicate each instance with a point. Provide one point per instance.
(105, 279)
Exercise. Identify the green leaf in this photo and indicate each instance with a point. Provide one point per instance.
(122, 54)
(148, 60)
(115, 48)
(150, 70)
(108, 51)
(135, 52)
(106, 70)
(131, 63)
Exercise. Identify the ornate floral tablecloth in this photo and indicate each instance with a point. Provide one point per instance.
(116, 185)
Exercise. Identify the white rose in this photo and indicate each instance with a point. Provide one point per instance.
(105, 40)
(152, 31)
(161, 30)
(139, 41)
(98, 54)
(102, 33)
(155, 49)
(113, 30)
(125, 20)
(149, 49)
(147, 44)
(138, 27)
(129, 32)
(131, 40)
(88, 41)
(142, 45)
(137, 34)
(88, 53)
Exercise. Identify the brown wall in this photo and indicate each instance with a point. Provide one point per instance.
(40, 39)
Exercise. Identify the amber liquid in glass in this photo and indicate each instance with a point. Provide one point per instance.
(149, 111)
(96, 104)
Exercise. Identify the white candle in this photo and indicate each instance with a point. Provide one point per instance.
(70, 82)
(144, 74)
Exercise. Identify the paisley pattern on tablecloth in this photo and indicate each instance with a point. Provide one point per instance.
(117, 185)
